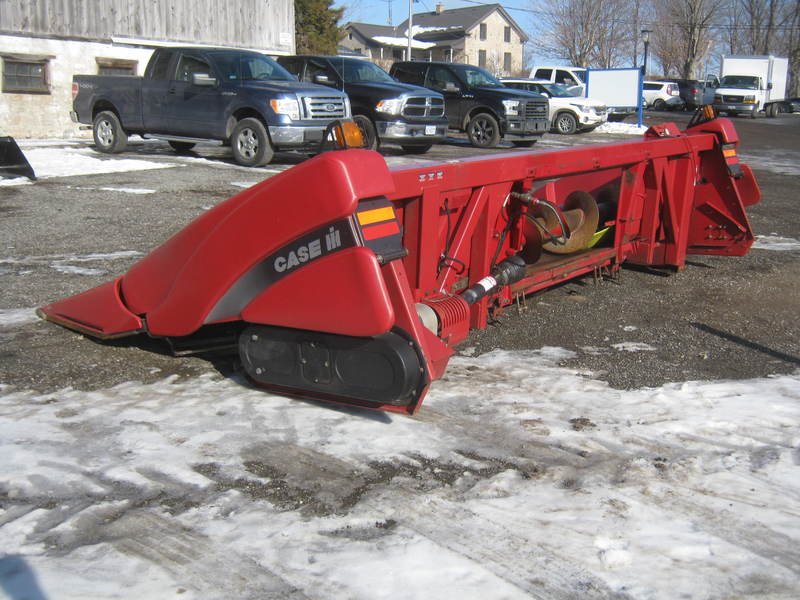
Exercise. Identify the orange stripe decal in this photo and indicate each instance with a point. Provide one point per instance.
(375, 215)
(381, 230)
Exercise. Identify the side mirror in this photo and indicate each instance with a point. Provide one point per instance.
(769, 86)
(451, 87)
(203, 80)
(322, 79)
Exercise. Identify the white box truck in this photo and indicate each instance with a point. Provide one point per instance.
(751, 84)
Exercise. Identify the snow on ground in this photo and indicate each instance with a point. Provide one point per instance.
(776, 242)
(617, 127)
(518, 479)
(17, 316)
(63, 262)
(67, 161)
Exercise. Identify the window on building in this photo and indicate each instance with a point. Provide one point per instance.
(116, 66)
(482, 59)
(26, 75)
(507, 62)
(507, 34)
(483, 31)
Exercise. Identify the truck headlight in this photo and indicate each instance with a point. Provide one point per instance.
(391, 106)
(583, 108)
(286, 106)
(749, 99)
(717, 98)
(512, 107)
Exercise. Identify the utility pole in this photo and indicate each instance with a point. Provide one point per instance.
(389, 4)
(410, 26)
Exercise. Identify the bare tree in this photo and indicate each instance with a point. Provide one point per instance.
(588, 33)
(687, 33)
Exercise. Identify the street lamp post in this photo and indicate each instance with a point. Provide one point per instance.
(646, 35)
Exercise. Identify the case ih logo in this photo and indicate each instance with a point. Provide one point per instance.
(310, 247)
(310, 251)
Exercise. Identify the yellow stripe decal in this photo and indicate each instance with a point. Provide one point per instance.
(375, 215)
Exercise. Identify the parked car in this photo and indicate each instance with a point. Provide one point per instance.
(695, 93)
(568, 114)
(791, 105)
(661, 95)
(385, 109)
(193, 94)
(477, 103)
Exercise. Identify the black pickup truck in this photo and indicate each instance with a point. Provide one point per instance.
(479, 104)
(189, 95)
(385, 110)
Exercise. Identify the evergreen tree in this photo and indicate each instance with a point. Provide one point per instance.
(316, 26)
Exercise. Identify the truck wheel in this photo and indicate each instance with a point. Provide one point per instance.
(753, 113)
(181, 147)
(659, 104)
(566, 123)
(483, 131)
(416, 149)
(772, 110)
(109, 137)
(367, 130)
(250, 143)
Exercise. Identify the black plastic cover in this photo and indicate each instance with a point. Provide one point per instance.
(385, 369)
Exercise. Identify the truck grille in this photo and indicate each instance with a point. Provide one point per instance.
(733, 99)
(535, 110)
(423, 106)
(324, 107)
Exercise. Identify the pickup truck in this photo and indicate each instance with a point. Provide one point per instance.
(190, 95)
(479, 104)
(385, 109)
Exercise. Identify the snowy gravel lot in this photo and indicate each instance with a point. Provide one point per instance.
(634, 439)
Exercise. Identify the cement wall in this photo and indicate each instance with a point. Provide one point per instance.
(26, 115)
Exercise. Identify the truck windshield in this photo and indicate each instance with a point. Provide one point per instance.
(742, 82)
(476, 77)
(558, 90)
(359, 71)
(250, 67)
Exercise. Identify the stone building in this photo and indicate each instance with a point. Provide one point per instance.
(483, 35)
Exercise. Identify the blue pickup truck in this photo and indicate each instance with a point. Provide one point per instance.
(190, 95)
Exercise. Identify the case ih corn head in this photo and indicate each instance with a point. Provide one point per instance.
(344, 280)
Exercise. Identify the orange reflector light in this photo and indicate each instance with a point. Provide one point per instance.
(709, 112)
(375, 215)
(348, 135)
(729, 152)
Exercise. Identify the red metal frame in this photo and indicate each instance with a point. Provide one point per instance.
(672, 193)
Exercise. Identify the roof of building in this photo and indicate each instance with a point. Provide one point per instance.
(462, 18)
(435, 26)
